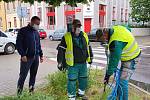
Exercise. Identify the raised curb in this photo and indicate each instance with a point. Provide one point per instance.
(142, 90)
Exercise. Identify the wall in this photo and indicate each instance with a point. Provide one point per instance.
(3, 16)
(12, 12)
(140, 31)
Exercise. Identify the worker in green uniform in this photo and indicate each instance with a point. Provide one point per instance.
(123, 47)
(74, 52)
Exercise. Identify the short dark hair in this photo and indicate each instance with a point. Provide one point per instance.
(35, 18)
(99, 33)
(76, 22)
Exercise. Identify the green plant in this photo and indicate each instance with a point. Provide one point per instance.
(57, 85)
(56, 89)
(27, 96)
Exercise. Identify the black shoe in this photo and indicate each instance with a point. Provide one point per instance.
(19, 91)
(31, 89)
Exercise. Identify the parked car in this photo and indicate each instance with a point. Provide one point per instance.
(7, 43)
(57, 35)
(92, 34)
(42, 33)
(12, 31)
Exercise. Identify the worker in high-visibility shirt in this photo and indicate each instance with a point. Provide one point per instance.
(123, 47)
(74, 52)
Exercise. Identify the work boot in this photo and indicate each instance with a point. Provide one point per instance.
(83, 97)
(72, 98)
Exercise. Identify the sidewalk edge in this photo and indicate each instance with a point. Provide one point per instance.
(144, 91)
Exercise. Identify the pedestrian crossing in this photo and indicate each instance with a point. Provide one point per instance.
(99, 60)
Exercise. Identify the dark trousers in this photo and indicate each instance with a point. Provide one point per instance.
(32, 65)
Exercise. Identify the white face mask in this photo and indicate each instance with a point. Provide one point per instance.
(78, 30)
(36, 27)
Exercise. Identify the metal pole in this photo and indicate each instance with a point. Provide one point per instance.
(21, 14)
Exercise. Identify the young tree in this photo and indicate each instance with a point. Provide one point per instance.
(140, 10)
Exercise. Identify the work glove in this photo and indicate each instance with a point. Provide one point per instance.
(61, 67)
(106, 79)
(91, 60)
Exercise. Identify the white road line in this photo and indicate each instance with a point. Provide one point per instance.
(99, 52)
(94, 60)
(142, 46)
(98, 49)
(145, 54)
(53, 59)
(101, 56)
(95, 67)
(101, 47)
(100, 61)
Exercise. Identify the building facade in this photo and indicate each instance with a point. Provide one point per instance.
(13, 20)
(3, 25)
(100, 13)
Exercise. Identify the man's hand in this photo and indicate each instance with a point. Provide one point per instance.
(24, 59)
(59, 66)
(41, 59)
(106, 79)
(91, 60)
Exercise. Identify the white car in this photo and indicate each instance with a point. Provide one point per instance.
(57, 35)
(7, 43)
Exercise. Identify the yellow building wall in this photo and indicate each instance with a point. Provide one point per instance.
(11, 13)
(3, 16)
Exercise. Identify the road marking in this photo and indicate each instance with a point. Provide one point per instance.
(142, 46)
(95, 67)
(94, 60)
(145, 54)
(101, 47)
(99, 52)
(53, 59)
(100, 61)
(101, 56)
(98, 49)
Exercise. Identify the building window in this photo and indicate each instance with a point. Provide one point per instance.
(114, 13)
(102, 15)
(28, 14)
(9, 23)
(51, 18)
(1, 22)
(121, 14)
(69, 8)
(7, 6)
(102, 7)
(126, 15)
(69, 15)
(50, 9)
(14, 7)
(114, 2)
(15, 22)
(40, 13)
